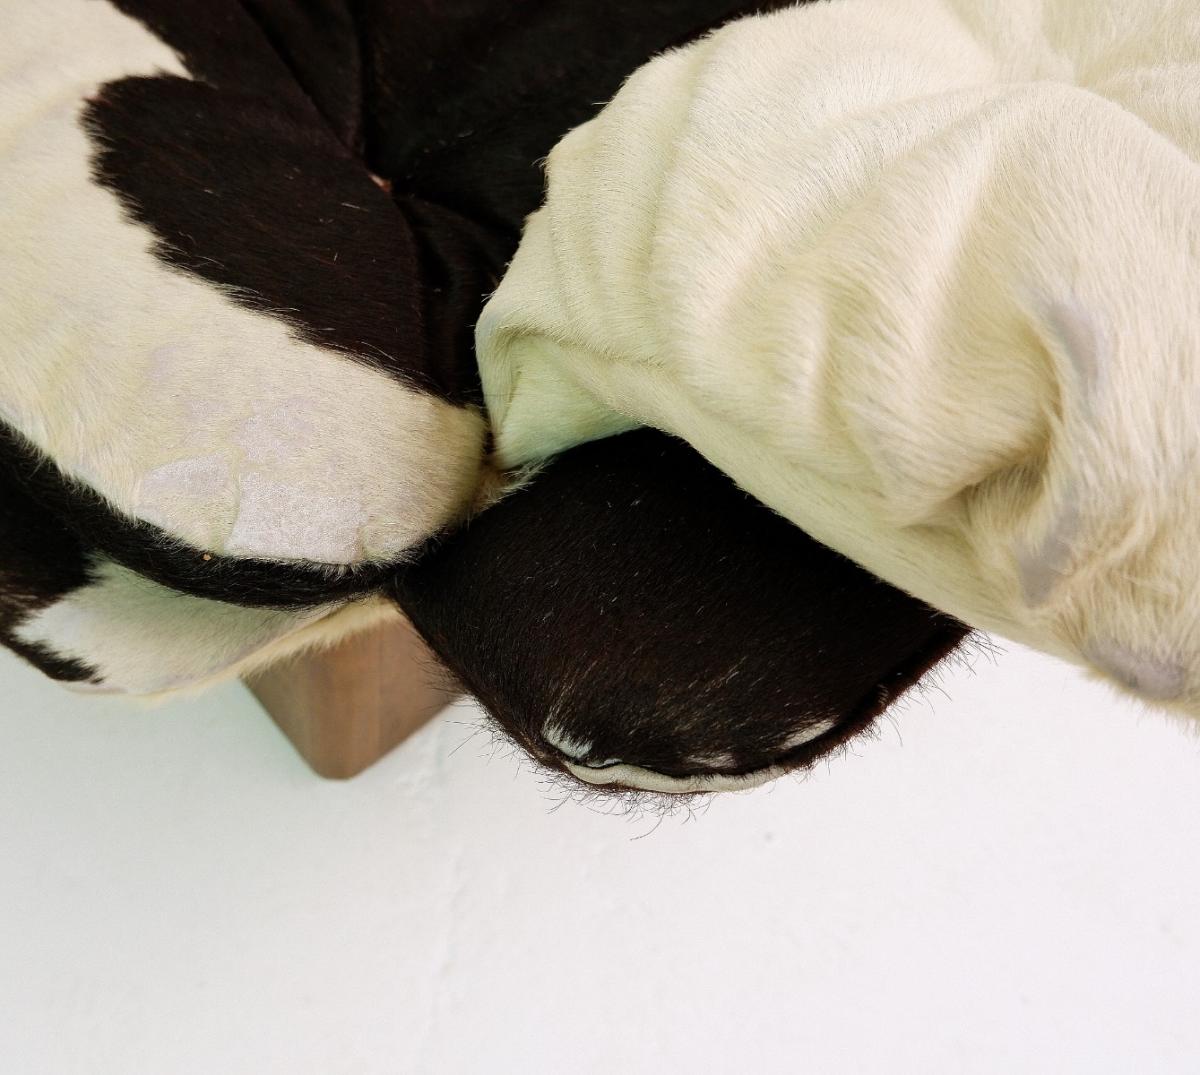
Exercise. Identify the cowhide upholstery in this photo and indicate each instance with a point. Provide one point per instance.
(245, 247)
(955, 248)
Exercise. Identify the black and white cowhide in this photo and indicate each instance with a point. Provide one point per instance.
(245, 245)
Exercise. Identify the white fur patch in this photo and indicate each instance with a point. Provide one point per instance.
(807, 735)
(194, 487)
(571, 748)
(145, 639)
(633, 776)
(277, 519)
(210, 420)
(624, 775)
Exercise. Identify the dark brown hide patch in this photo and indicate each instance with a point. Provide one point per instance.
(462, 97)
(634, 599)
(278, 213)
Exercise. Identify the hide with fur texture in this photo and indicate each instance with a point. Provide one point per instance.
(246, 244)
(922, 276)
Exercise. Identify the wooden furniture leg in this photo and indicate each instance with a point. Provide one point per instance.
(345, 707)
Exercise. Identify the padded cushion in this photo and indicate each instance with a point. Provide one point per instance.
(208, 293)
(920, 276)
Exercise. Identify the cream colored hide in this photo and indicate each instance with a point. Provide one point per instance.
(924, 276)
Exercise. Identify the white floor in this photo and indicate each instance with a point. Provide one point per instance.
(1011, 888)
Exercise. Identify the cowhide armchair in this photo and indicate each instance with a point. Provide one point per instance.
(245, 246)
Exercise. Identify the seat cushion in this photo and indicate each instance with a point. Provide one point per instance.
(921, 277)
(217, 312)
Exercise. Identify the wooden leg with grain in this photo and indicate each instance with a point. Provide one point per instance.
(345, 707)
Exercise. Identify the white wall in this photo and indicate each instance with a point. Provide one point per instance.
(1012, 888)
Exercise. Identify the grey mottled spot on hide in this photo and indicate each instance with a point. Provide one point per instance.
(1155, 680)
(1040, 566)
(1083, 340)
